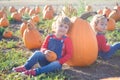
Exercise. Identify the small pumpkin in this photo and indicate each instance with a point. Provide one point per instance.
(48, 14)
(12, 9)
(115, 14)
(37, 9)
(88, 8)
(23, 26)
(36, 18)
(51, 56)
(106, 11)
(46, 7)
(7, 34)
(31, 37)
(16, 16)
(4, 21)
(111, 24)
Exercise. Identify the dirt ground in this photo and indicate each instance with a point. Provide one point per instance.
(98, 70)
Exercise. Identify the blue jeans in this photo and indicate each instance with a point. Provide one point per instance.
(113, 49)
(46, 66)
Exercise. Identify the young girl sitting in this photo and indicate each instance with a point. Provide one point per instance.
(99, 24)
(57, 42)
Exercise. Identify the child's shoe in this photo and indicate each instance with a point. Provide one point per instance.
(29, 72)
(19, 69)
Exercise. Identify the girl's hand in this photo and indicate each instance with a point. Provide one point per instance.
(46, 52)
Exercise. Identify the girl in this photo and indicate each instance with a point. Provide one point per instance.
(57, 42)
(99, 24)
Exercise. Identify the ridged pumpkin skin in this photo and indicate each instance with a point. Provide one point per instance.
(32, 38)
(85, 48)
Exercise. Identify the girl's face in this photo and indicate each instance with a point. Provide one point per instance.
(62, 29)
(101, 25)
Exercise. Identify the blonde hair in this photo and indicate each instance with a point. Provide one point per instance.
(61, 19)
(96, 19)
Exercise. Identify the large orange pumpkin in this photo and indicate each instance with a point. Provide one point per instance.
(85, 48)
(51, 56)
(111, 24)
(31, 37)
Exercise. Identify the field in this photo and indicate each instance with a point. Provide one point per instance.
(14, 53)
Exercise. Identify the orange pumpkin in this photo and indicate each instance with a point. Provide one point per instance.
(106, 11)
(7, 34)
(36, 18)
(4, 21)
(46, 7)
(32, 12)
(16, 16)
(23, 26)
(37, 9)
(85, 48)
(48, 14)
(31, 37)
(88, 8)
(51, 56)
(115, 14)
(99, 11)
(117, 7)
(111, 24)
(12, 9)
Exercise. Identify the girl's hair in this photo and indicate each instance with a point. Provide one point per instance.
(61, 19)
(96, 19)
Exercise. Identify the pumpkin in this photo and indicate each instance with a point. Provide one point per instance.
(23, 26)
(7, 34)
(99, 11)
(115, 14)
(88, 8)
(111, 24)
(37, 9)
(32, 12)
(46, 7)
(48, 14)
(31, 37)
(4, 21)
(2, 13)
(106, 11)
(51, 56)
(36, 18)
(117, 7)
(12, 9)
(16, 16)
(85, 48)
